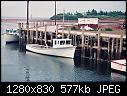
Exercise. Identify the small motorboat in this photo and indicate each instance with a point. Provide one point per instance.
(119, 65)
(61, 47)
(11, 35)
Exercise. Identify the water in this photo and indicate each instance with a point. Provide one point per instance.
(31, 67)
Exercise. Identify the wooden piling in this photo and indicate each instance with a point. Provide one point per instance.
(69, 30)
(121, 45)
(75, 40)
(56, 31)
(98, 44)
(51, 38)
(117, 46)
(31, 36)
(108, 45)
(83, 37)
(91, 47)
(22, 39)
(41, 38)
(36, 33)
(112, 48)
(109, 49)
(45, 38)
(19, 27)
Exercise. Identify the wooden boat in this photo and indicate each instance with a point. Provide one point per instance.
(61, 47)
(119, 65)
(11, 35)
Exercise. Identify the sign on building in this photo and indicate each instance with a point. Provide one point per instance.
(87, 20)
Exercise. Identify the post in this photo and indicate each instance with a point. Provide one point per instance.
(36, 33)
(40, 23)
(40, 37)
(121, 45)
(22, 39)
(83, 37)
(112, 49)
(108, 45)
(109, 49)
(91, 47)
(20, 34)
(45, 38)
(69, 29)
(117, 45)
(98, 39)
(56, 31)
(22, 25)
(51, 38)
(31, 41)
(75, 39)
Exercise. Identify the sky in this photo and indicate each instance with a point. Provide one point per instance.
(45, 9)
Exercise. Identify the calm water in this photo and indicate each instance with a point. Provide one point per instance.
(30, 67)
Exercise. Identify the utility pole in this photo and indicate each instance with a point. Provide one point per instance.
(27, 21)
(55, 12)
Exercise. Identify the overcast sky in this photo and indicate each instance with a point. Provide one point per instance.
(46, 8)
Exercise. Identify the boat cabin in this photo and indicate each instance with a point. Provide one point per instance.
(11, 30)
(61, 43)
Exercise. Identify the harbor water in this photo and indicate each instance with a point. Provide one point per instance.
(31, 67)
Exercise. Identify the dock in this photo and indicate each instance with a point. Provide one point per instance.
(94, 42)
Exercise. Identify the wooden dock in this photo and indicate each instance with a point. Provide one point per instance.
(111, 41)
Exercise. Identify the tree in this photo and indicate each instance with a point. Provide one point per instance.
(78, 15)
(94, 12)
(88, 12)
(101, 13)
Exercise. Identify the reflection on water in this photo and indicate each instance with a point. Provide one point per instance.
(31, 67)
(100, 66)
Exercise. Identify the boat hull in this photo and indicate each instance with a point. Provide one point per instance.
(119, 65)
(11, 38)
(61, 52)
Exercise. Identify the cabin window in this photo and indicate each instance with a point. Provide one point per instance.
(68, 42)
(7, 30)
(14, 31)
(62, 42)
(55, 42)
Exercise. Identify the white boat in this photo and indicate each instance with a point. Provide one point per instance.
(119, 65)
(11, 35)
(61, 47)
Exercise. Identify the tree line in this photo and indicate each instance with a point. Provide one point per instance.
(92, 13)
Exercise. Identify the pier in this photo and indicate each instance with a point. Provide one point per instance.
(99, 44)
